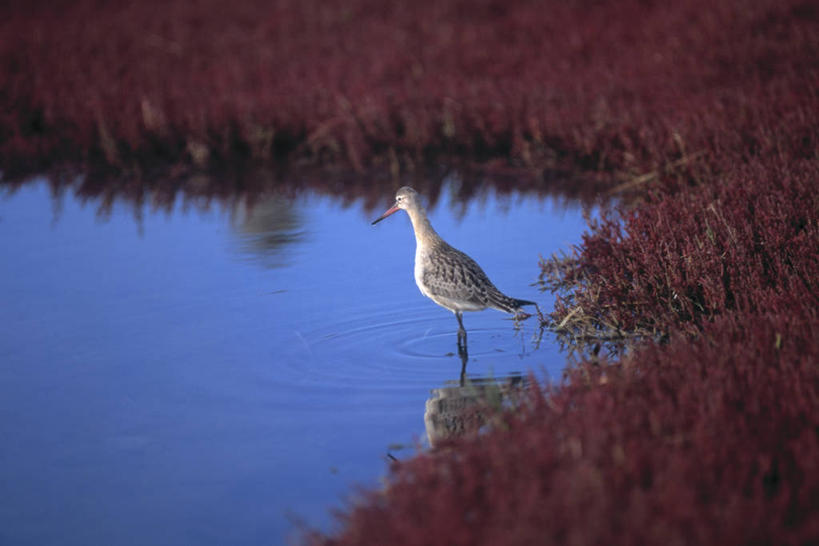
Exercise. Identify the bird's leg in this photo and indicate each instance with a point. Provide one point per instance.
(461, 332)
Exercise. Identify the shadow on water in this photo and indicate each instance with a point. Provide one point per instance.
(230, 358)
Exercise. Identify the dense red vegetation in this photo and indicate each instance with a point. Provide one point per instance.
(576, 85)
(731, 226)
(706, 432)
(689, 443)
(744, 244)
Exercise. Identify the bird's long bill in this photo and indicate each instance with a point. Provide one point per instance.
(391, 210)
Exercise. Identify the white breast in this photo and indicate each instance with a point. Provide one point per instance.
(419, 270)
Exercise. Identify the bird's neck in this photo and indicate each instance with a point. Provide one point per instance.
(425, 235)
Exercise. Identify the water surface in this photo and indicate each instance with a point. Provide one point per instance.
(211, 376)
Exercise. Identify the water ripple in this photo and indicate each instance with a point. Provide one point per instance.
(389, 349)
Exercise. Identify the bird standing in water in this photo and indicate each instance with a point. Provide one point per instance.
(446, 275)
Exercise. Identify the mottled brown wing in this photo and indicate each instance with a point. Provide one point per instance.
(454, 275)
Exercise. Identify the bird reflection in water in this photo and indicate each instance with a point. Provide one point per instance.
(465, 406)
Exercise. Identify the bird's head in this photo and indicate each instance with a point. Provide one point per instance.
(405, 199)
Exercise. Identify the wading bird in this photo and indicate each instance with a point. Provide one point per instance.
(446, 275)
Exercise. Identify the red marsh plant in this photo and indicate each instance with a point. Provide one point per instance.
(577, 85)
(709, 437)
(744, 244)
(731, 223)
(706, 442)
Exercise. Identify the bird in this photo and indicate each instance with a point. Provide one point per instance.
(446, 275)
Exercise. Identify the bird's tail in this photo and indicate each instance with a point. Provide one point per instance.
(507, 304)
(521, 303)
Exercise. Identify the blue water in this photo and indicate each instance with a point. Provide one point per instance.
(213, 375)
